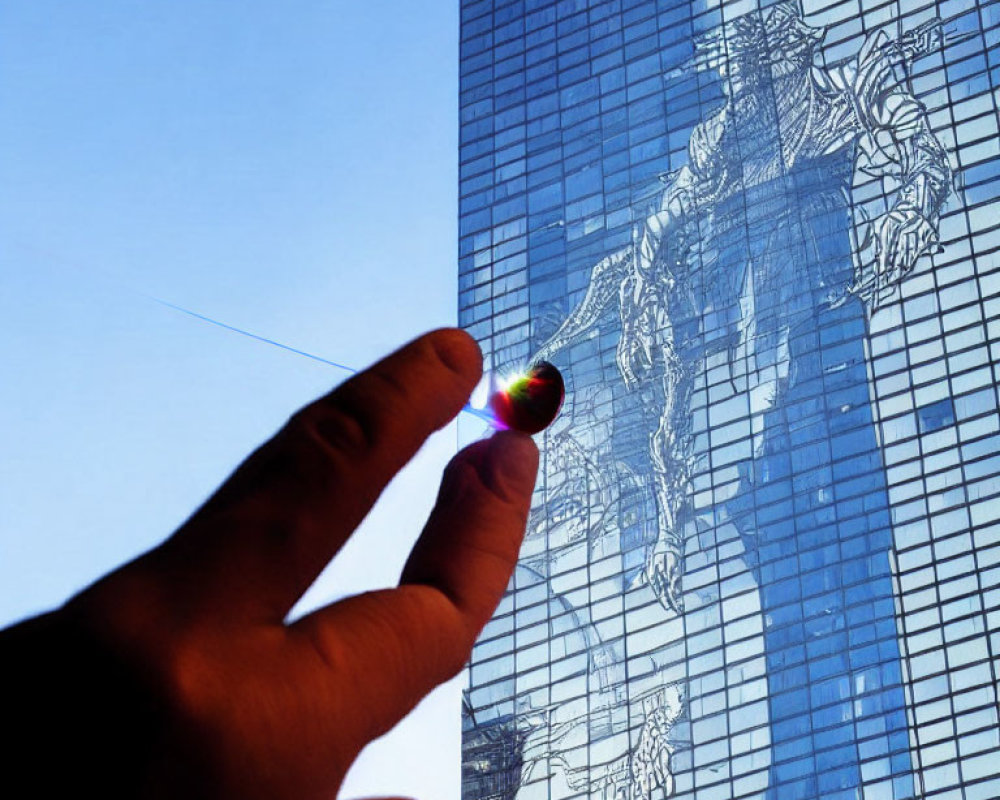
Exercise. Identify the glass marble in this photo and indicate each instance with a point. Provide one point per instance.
(529, 401)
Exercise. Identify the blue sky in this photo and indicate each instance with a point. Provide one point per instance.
(288, 168)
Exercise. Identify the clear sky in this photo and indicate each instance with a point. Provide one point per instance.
(289, 168)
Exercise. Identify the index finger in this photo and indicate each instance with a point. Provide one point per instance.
(393, 646)
(262, 539)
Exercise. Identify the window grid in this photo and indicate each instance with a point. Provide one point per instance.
(569, 125)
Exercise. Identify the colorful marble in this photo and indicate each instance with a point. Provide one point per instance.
(529, 402)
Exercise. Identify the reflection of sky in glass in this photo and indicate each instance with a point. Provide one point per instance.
(292, 174)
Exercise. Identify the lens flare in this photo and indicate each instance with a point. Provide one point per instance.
(529, 401)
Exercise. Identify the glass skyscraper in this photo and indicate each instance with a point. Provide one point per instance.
(761, 240)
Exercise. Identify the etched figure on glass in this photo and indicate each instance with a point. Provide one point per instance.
(742, 302)
(797, 133)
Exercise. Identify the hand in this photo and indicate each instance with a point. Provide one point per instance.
(177, 676)
(663, 570)
(650, 765)
(634, 354)
(640, 324)
(903, 235)
(634, 358)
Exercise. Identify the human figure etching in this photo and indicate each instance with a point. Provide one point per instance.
(701, 285)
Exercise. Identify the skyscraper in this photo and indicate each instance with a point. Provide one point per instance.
(762, 242)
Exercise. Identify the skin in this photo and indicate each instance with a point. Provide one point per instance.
(178, 676)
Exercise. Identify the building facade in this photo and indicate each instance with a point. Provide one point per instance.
(761, 240)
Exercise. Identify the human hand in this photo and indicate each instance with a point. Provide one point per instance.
(177, 675)
(633, 356)
(639, 312)
(663, 570)
(650, 763)
(903, 236)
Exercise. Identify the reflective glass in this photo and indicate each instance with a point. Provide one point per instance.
(761, 240)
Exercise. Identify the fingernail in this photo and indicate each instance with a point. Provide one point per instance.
(515, 459)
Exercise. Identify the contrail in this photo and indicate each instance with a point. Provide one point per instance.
(251, 335)
(468, 409)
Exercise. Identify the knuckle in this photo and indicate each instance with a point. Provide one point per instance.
(471, 482)
(330, 426)
(298, 462)
(138, 631)
(180, 676)
(357, 416)
(125, 612)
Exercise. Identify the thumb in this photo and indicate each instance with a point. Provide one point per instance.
(393, 646)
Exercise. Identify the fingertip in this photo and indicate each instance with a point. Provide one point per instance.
(506, 464)
(513, 460)
(458, 351)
